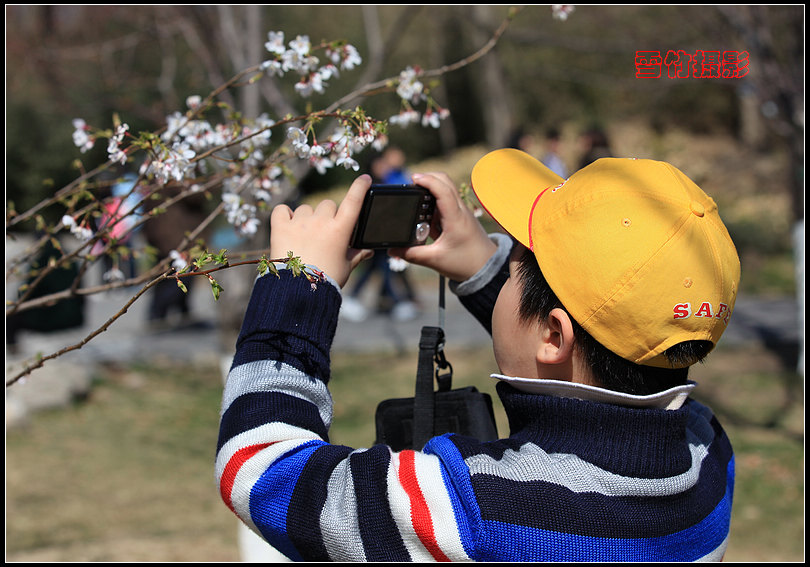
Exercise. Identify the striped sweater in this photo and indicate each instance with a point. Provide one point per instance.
(575, 481)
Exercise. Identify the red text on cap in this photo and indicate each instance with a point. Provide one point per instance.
(684, 311)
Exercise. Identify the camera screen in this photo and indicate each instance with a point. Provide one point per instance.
(392, 218)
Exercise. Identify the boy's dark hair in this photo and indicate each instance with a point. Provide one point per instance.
(609, 370)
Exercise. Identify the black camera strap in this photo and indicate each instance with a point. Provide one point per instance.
(409, 423)
(431, 351)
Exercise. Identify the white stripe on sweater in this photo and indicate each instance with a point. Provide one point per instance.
(267, 433)
(531, 463)
(273, 376)
(428, 471)
(339, 522)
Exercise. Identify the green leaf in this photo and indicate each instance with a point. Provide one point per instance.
(216, 289)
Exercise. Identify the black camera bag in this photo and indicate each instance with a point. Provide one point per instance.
(408, 423)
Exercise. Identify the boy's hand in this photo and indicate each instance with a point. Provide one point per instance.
(461, 246)
(321, 236)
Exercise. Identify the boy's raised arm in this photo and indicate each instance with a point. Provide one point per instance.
(320, 236)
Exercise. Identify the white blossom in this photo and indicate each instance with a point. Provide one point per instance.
(114, 151)
(117, 155)
(301, 45)
(174, 122)
(299, 140)
(308, 84)
(231, 199)
(262, 195)
(410, 88)
(81, 232)
(351, 58)
(317, 150)
(397, 264)
(179, 262)
(249, 227)
(275, 43)
(561, 11)
(172, 163)
(347, 57)
(273, 68)
(297, 58)
(113, 275)
(81, 137)
(405, 117)
(347, 161)
(380, 143)
(321, 165)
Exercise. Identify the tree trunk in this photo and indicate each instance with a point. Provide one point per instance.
(491, 83)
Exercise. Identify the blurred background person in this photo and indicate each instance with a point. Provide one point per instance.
(551, 158)
(595, 145)
(165, 232)
(519, 139)
(396, 296)
(65, 314)
(122, 213)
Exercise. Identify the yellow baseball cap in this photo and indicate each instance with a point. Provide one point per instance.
(634, 249)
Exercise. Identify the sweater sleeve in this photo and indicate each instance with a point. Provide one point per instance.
(479, 293)
(277, 471)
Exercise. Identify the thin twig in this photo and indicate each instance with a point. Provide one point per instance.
(439, 71)
(41, 360)
(359, 93)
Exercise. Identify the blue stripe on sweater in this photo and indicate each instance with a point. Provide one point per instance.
(457, 482)
(270, 497)
(533, 544)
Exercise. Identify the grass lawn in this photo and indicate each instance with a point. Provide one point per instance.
(127, 475)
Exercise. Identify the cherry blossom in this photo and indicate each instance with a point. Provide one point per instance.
(561, 11)
(410, 88)
(405, 117)
(81, 232)
(113, 275)
(346, 56)
(275, 43)
(81, 137)
(179, 261)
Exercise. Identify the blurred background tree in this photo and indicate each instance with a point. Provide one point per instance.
(65, 62)
(90, 61)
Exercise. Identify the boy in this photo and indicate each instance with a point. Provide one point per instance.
(611, 284)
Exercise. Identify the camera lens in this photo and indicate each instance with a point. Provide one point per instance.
(422, 231)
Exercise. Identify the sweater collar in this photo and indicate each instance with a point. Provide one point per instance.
(637, 441)
(671, 399)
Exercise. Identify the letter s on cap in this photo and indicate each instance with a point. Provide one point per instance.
(682, 311)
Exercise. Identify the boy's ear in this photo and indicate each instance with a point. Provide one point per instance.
(557, 338)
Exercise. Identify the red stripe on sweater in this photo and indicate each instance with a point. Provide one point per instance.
(232, 468)
(420, 513)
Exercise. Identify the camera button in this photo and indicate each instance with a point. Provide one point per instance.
(422, 231)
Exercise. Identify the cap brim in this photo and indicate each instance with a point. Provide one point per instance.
(507, 182)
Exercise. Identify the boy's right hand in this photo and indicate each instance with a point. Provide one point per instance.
(461, 246)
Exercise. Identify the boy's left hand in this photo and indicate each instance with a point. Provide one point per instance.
(320, 236)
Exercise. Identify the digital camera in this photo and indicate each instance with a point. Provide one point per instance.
(394, 216)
